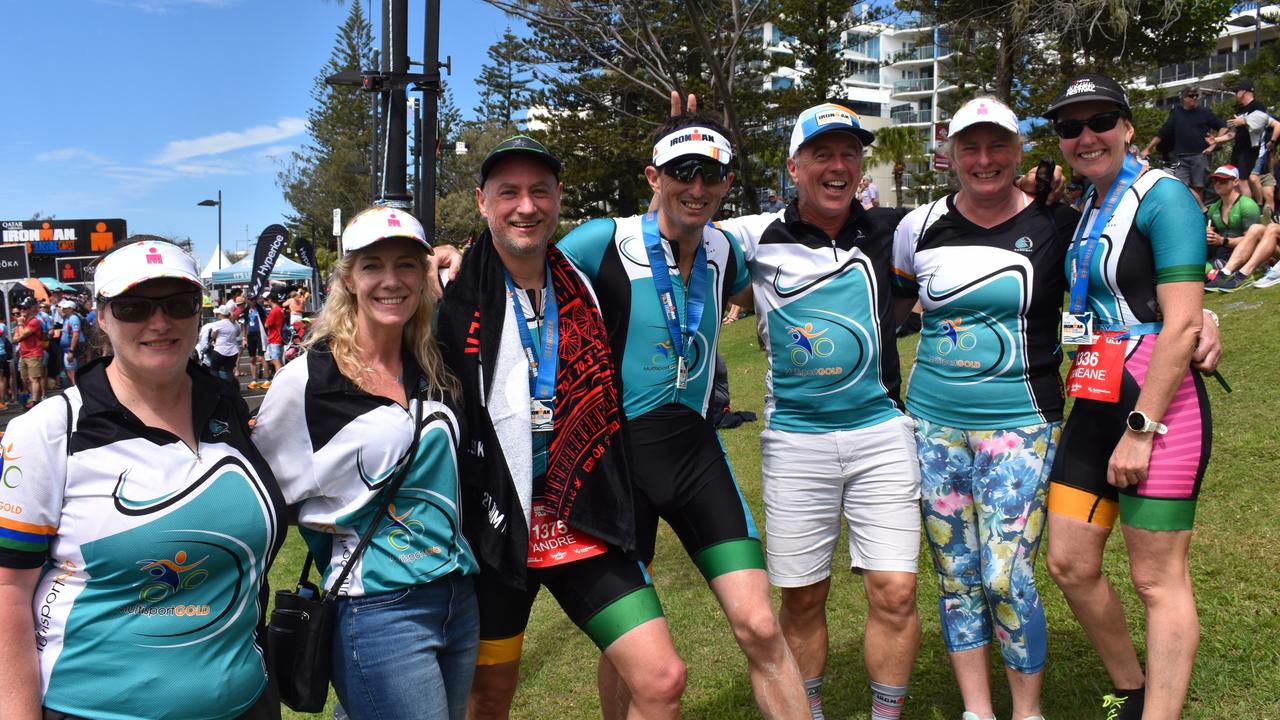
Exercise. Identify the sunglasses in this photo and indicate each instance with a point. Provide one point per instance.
(1100, 123)
(683, 170)
(138, 309)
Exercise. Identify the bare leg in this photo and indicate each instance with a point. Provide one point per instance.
(1075, 563)
(804, 624)
(775, 679)
(492, 691)
(614, 698)
(650, 670)
(1242, 248)
(1162, 578)
(1025, 688)
(893, 626)
(973, 676)
(1265, 248)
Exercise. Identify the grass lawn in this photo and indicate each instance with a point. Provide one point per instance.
(1235, 564)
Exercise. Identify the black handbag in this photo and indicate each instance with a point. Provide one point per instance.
(300, 631)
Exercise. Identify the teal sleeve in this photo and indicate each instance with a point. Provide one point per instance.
(1170, 218)
(741, 276)
(586, 244)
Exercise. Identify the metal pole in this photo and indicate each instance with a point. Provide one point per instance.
(395, 62)
(431, 116)
(417, 157)
(219, 229)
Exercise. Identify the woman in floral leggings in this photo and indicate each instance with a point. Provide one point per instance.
(986, 265)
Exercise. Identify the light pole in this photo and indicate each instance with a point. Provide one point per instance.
(218, 203)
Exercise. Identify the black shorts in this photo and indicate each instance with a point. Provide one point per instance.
(680, 473)
(218, 361)
(606, 596)
(253, 345)
(1244, 158)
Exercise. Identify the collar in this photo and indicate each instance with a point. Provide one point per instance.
(327, 379)
(98, 398)
(810, 235)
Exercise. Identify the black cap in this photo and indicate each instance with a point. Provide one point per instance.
(28, 303)
(1243, 84)
(518, 145)
(1188, 91)
(1086, 87)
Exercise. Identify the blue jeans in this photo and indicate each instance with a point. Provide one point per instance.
(408, 654)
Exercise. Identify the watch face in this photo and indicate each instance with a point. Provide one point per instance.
(1137, 421)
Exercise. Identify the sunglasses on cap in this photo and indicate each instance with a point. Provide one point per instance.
(684, 170)
(1100, 123)
(134, 309)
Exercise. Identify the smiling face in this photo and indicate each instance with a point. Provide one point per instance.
(159, 345)
(1097, 156)
(521, 202)
(985, 158)
(827, 170)
(685, 207)
(1224, 186)
(386, 279)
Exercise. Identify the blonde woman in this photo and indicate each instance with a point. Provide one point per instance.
(338, 424)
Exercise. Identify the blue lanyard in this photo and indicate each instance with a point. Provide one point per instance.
(542, 368)
(1082, 248)
(683, 329)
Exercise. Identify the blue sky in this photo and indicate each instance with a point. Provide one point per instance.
(141, 108)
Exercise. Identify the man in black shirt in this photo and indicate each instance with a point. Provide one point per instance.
(1250, 127)
(1184, 134)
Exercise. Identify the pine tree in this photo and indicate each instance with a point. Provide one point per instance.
(332, 169)
(505, 81)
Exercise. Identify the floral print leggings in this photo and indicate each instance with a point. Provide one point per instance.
(983, 500)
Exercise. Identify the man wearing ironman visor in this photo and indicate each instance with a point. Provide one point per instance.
(662, 280)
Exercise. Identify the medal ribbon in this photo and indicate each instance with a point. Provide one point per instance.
(1082, 248)
(542, 368)
(682, 329)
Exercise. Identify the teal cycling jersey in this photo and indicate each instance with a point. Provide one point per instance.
(1156, 235)
(828, 318)
(611, 253)
(988, 353)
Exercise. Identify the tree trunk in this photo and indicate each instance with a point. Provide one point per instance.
(721, 84)
(898, 170)
(1005, 55)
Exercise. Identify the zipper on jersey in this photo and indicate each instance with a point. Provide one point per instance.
(835, 255)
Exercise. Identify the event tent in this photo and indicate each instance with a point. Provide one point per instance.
(240, 272)
(215, 263)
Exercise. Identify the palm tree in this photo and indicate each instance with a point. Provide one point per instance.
(894, 146)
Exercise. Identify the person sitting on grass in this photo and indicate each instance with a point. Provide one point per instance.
(1230, 217)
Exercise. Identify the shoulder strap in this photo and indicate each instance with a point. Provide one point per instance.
(388, 494)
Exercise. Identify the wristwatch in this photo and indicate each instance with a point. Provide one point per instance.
(1140, 423)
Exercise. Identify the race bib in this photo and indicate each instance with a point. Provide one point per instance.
(552, 543)
(1097, 368)
(542, 414)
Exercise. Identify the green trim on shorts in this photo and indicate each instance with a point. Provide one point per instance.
(728, 556)
(1147, 513)
(622, 615)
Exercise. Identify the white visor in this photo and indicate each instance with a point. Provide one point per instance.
(692, 140)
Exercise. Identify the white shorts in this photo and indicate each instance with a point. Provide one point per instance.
(872, 475)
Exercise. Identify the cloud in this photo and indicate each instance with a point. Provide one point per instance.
(71, 154)
(180, 150)
(162, 6)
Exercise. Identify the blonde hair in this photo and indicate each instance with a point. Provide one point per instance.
(337, 325)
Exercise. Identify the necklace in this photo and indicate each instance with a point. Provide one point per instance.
(397, 378)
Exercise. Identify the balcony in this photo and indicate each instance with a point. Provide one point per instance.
(913, 85)
(907, 117)
(867, 78)
(1216, 65)
(919, 52)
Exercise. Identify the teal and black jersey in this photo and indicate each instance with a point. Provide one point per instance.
(988, 354)
(828, 318)
(1156, 235)
(154, 553)
(611, 253)
(336, 447)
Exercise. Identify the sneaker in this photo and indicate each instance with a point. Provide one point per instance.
(1272, 277)
(1213, 279)
(1233, 282)
(253, 385)
(973, 716)
(264, 385)
(1124, 707)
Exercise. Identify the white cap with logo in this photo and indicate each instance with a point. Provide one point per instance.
(381, 222)
(983, 110)
(130, 265)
